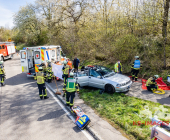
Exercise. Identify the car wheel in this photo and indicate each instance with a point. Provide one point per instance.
(109, 88)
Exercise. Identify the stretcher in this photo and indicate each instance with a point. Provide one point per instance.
(82, 119)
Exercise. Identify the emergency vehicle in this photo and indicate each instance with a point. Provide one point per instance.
(7, 50)
(32, 57)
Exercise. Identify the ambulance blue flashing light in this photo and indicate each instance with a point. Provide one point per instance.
(24, 48)
(43, 48)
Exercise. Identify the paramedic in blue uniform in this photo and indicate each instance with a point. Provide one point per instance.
(40, 77)
(135, 68)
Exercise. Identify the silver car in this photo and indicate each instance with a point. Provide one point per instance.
(103, 78)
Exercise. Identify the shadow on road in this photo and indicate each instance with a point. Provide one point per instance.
(19, 79)
(25, 102)
(52, 115)
(164, 100)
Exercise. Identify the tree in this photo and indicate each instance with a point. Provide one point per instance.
(164, 27)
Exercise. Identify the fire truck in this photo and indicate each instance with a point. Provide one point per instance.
(7, 50)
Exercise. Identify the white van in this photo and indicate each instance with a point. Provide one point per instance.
(32, 57)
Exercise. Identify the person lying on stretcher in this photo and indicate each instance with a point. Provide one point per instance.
(151, 83)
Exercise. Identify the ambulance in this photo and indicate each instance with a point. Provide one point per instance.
(32, 57)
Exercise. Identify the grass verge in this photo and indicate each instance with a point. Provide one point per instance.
(124, 111)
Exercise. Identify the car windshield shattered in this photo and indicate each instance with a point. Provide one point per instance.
(103, 71)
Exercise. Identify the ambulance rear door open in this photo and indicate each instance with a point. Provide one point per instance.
(24, 61)
(58, 53)
(38, 58)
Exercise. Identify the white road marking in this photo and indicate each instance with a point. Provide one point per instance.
(68, 113)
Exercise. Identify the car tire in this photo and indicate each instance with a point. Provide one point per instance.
(109, 88)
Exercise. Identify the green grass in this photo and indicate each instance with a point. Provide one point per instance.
(122, 111)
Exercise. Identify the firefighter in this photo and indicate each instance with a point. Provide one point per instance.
(70, 88)
(135, 68)
(168, 78)
(48, 66)
(70, 64)
(40, 77)
(151, 83)
(49, 76)
(2, 73)
(118, 67)
(43, 66)
(65, 70)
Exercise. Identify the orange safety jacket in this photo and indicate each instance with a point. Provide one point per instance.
(70, 64)
(58, 63)
(62, 59)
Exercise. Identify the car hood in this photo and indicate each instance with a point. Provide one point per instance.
(119, 78)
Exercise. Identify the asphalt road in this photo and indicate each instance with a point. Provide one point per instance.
(23, 116)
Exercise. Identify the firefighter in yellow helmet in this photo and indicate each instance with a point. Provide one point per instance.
(2, 73)
(40, 76)
(151, 83)
(70, 88)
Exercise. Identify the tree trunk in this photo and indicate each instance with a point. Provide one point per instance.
(164, 28)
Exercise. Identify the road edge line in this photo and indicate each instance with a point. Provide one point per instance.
(60, 98)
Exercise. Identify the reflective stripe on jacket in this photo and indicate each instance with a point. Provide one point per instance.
(66, 69)
(151, 81)
(44, 68)
(2, 71)
(49, 76)
(136, 64)
(40, 78)
(117, 67)
(71, 85)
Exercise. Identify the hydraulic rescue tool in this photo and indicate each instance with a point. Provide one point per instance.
(82, 119)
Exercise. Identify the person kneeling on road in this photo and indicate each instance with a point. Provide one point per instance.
(70, 88)
(151, 83)
(40, 77)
